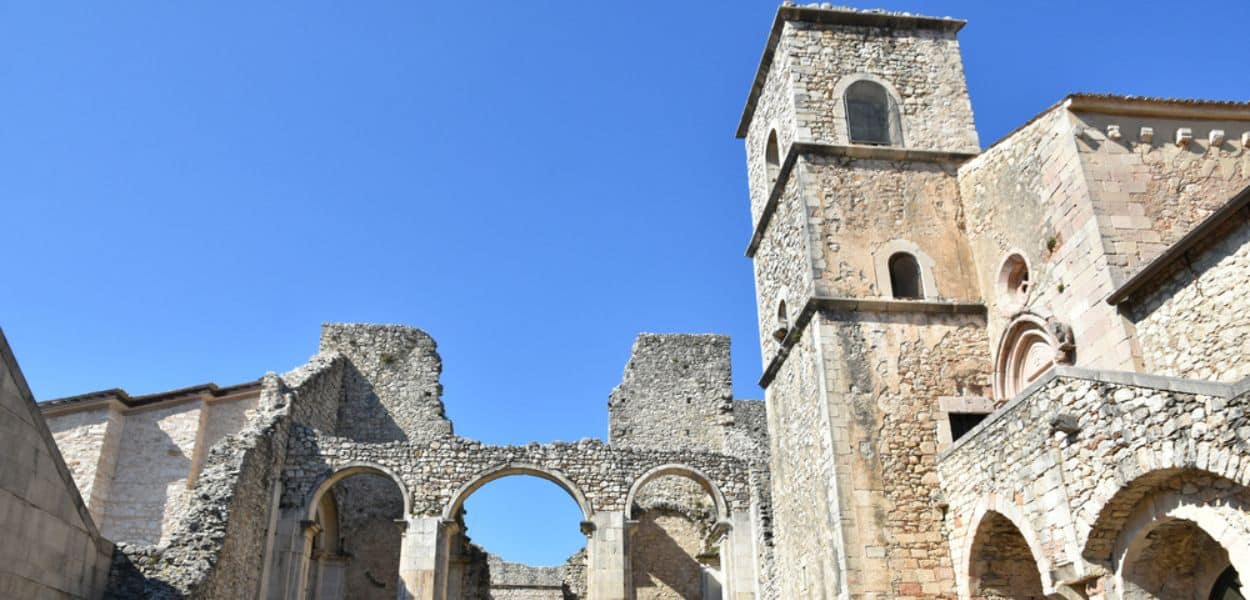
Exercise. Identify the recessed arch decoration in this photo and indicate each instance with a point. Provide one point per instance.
(510, 469)
(886, 263)
(1013, 282)
(869, 110)
(1029, 347)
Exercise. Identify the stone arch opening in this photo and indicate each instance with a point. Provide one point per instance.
(677, 535)
(1001, 564)
(492, 567)
(353, 534)
(1174, 533)
(772, 159)
(905, 282)
(872, 114)
(782, 325)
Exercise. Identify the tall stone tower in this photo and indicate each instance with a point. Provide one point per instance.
(870, 320)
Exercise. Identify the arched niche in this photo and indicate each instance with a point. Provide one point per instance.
(887, 256)
(1030, 346)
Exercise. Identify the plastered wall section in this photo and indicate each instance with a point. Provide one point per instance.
(1196, 323)
(1149, 194)
(857, 207)
(51, 546)
(1028, 194)
(884, 373)
(922, 66)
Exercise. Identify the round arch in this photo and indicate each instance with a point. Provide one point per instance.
(699, 477)
(348, 470)
(1228, 526)
(509, 469)
(990, 507)
(839, 107)
(1027, 349)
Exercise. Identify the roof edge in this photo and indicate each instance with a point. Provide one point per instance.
(831, 16)
(211, 389)
(1147, 106)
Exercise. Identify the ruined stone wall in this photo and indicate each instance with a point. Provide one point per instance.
(748, 437)
(516, 581)
(1148, 194)
(391, 390)
(923, 66)
(51, 547)
(885, 373)
(1196, 323)
(226, 416)
(215, 548)
(369, 506)
(676, 393)
(1028, 194)
(1067, 461)
(857, 207)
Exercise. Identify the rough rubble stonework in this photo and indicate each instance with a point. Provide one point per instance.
(1017, 372)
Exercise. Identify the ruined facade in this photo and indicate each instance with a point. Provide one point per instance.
(1017, 372)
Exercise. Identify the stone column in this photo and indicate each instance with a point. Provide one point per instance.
(739, 558)
(608, 576)
(422, 560)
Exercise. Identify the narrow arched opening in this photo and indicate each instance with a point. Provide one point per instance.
(871, 114)
(1001, 565)
(519, 531)
(772, 159)
(675, 544)
(905, 280)
(782, 326)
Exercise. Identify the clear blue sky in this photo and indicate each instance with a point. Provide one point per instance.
(188, 191)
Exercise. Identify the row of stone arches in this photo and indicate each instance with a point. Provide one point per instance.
(1174, 534)
(433, 567)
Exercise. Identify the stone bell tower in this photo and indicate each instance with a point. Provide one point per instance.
(870, 319)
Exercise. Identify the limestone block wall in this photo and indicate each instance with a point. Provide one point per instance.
(1196, 323)
(1028, 194)
(90, 440)
(1148, 194)
(676, 393)
(1067, 461)
(51, 547)
(154, 460)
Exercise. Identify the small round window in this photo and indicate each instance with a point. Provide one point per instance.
(1013, 280)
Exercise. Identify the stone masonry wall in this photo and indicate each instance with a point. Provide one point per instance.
(782, 265)
(391, 390)
(89, 441)
(1149, 194)
(922, 65)
(856, 206)
(774, 111)
(51, 547)
(1196, 324)
(149, 490)
(1028, 194)
(1067, 460)
(676, 393)
(885, 373)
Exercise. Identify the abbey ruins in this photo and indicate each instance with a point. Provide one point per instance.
(1017, 372)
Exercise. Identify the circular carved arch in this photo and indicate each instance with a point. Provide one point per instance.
(509, 469)
(1029, 347)
(356, 468)
(1013, 282)
(722, 507)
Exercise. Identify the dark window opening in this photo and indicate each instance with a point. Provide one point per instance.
(962, 423)
(871, 115)
(905, 276)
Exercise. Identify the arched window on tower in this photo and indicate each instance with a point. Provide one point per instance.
(772, 159)
(905, 276)
(871, 114)
(783, 322)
